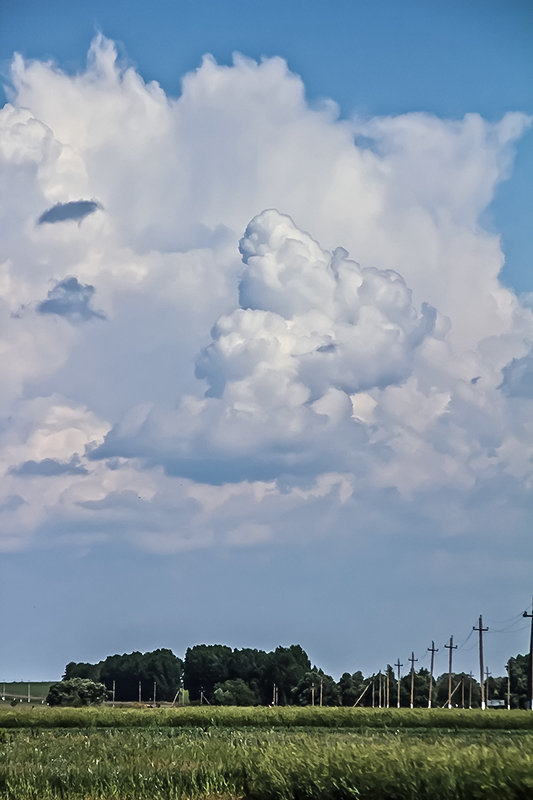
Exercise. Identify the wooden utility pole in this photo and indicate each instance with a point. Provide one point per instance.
(451, 647)
(321, 688)
(507, 667)
(412, 660)
(530, 670)
(398, 665)
(379, 689)
(313, 693)
(388, 687)
(361, 695)
(480, 629)
(155, 690)
(140, 691)
(470, 689)
(432, 650)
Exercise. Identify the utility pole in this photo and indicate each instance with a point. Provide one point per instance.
(398, 665)
(373, 694)
(274, 687)
(140, 691)
(470, 689)
(432, 650)
(388, 687)
(507, 667)
(201, 695)
(480, 629)
(530, 671)
(321, 685)
(379, 689)
(451, 647)
(313, 693)
(487, 673)
(412, 660)
(113, 693)
(155, 689)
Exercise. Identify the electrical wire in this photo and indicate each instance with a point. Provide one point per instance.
(466, 640)
(509, 630)
(510, 620)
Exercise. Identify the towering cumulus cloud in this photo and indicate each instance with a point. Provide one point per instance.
(300, 323)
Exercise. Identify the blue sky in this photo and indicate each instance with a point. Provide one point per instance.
(213, 429)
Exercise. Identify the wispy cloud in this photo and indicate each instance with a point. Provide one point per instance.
(49, 468)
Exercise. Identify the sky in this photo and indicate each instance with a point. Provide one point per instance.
(266, 329)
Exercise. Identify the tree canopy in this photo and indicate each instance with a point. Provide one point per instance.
(225, 676)
(76, 692)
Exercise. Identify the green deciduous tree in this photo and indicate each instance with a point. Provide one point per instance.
(235, 692)
(309, 686)
(351, 687)
(206, 665)
(76, 692)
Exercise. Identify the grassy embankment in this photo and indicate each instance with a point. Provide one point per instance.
(265, 754)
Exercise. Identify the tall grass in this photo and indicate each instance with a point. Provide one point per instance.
(280, 717)
(263, 764)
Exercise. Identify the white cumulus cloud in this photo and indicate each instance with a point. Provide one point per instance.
(274, 314)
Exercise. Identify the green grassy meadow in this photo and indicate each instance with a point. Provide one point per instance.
(264, 754)
(18, 690)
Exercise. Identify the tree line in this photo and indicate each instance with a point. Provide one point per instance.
(218, 674)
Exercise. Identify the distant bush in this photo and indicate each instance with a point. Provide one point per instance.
(76, 692)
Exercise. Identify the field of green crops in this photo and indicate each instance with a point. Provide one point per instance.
(265, 754)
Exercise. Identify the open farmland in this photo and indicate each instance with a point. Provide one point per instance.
(141, 754)
(19, 690)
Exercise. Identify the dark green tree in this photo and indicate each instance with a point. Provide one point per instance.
(234, 692)
(472, 691)
(206, 665)
(518, 672)
(126, 670)
(82, 670)
(287, 666)
(351, 687)
(252, 666)
(308, 687)
(76, 692)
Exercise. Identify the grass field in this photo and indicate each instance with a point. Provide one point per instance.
(265, 754)
(18, 690)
